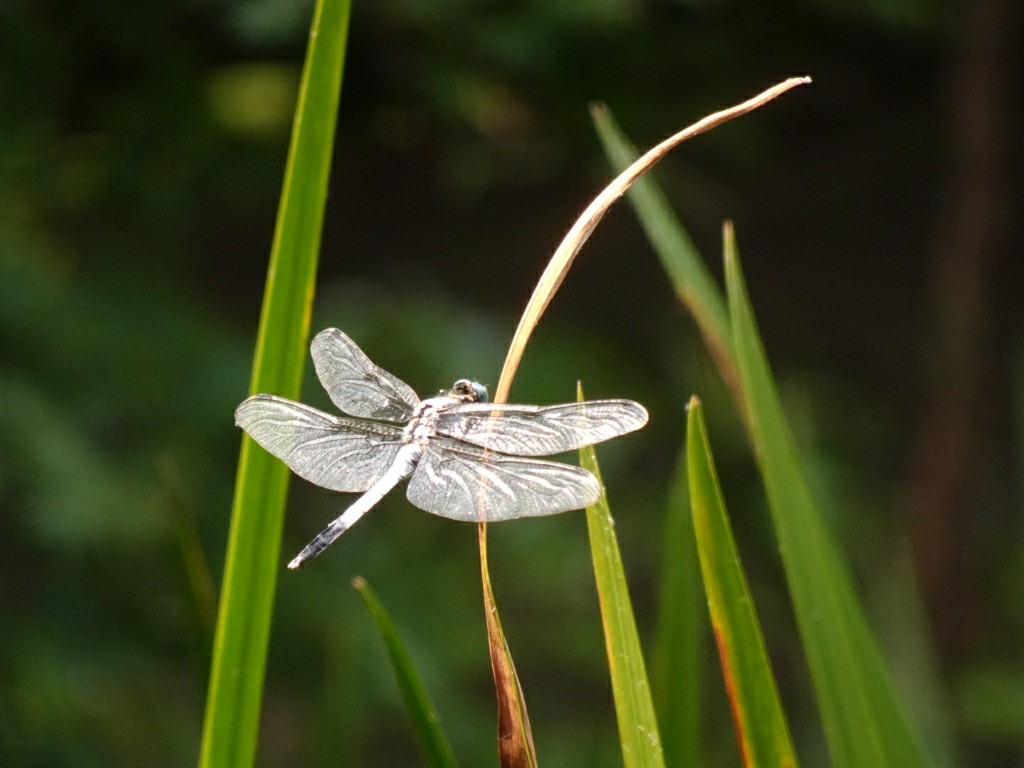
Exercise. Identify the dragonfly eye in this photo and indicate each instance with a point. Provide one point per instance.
(471, 390)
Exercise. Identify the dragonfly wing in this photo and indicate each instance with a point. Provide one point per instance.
(355, 384)
(462, 482)
(532, 430)
(332, 452)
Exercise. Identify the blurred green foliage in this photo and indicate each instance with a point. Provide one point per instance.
(141, 153)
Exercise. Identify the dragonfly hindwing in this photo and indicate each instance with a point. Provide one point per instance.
(462, 482)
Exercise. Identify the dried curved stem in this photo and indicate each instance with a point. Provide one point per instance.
(574, 239)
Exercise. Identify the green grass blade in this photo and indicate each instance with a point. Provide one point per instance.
(679, 647)
(757, 711)
(250, 575)
(686, 270)
(426, 724)
(864, 722)
(634, 708)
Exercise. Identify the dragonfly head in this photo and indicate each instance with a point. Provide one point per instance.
(469, 391)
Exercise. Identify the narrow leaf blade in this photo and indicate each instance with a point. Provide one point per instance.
(677, 661)
(634, 707)
(250, 576)
(426, 724)
(864, 722)
(690, 277)
(760, 722)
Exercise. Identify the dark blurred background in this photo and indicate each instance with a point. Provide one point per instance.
(142, 147)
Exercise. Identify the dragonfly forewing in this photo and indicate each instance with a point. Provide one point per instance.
(336, 453)
(355, 384)
(530, 430)
(462, 482)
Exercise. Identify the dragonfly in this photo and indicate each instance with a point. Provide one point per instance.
(467, 459)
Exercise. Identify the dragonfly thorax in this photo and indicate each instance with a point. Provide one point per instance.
(423, 424)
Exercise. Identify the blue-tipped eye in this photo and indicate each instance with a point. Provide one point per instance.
(473, 390)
